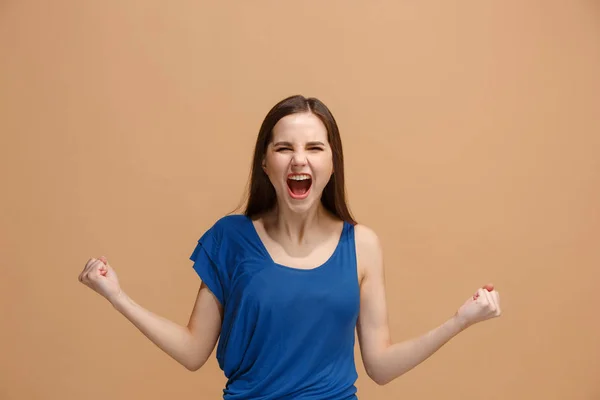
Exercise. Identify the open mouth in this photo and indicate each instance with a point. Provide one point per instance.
(299, 185)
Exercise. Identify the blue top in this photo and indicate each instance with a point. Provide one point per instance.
(287, 333)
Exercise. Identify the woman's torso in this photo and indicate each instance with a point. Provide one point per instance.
(288, 330)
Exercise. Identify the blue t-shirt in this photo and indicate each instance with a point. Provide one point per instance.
(287, 333)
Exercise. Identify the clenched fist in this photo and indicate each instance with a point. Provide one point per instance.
(101, 277)
(483, 305)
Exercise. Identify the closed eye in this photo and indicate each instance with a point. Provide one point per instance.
(309, 148)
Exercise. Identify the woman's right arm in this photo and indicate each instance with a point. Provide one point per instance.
(189, 345)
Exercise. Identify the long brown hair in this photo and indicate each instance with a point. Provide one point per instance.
(261, 194)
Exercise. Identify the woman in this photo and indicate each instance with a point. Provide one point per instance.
(285, 285)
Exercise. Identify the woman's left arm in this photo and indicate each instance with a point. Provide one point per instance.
(383, 360)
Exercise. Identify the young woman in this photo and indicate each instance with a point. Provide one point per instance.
(285, 284)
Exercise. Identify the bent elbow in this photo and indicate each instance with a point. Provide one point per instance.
(378, 378)
(193, 365)
(380, 381)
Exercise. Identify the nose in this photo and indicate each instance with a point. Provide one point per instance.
(299, 159)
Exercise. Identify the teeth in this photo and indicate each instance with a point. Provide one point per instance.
(299, 177)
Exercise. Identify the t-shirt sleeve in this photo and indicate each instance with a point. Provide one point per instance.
(210, 262)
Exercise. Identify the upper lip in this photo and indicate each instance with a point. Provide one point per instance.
(299, 173)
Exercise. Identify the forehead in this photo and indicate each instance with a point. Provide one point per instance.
(302, 127)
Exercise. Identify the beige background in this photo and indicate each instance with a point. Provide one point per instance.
(472, 138)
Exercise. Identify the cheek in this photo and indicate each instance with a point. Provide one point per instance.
(323, 166)
(275, 164)
(281, 161)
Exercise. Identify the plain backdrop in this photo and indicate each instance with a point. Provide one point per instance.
(471, 133)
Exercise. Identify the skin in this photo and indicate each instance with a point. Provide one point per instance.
(300, 234)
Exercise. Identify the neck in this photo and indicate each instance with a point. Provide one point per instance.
(298, 226)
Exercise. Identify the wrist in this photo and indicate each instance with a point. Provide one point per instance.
(118, 300)
(459, 323)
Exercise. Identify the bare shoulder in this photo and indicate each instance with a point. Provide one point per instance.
(366, 238)
(368, 250)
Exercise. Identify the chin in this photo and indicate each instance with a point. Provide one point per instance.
(300, 206)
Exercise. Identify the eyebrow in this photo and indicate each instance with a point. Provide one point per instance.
(290, 144)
